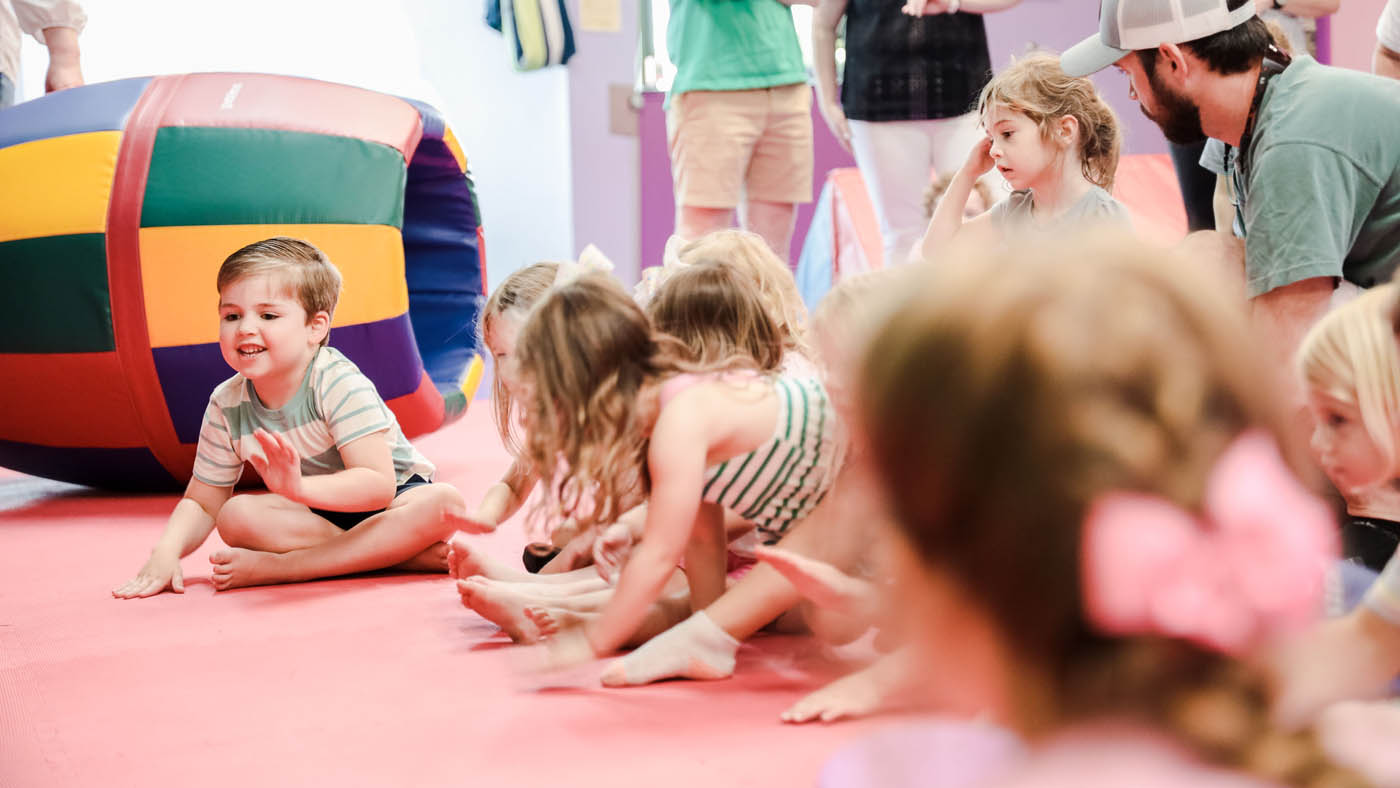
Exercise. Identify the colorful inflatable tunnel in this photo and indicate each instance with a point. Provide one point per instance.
(118, 202)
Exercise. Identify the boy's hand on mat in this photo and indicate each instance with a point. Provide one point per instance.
(280, 465)
(610, 551)
(161, 571)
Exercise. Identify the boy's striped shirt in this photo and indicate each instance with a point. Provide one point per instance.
(335, 405)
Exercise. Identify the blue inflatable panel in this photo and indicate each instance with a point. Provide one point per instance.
(71, 112)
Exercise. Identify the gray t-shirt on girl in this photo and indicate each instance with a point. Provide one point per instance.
(1097, 205)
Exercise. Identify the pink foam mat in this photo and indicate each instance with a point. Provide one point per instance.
(372, 680)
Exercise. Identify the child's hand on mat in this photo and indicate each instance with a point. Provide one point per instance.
(161, 571)
(610, 551)
(280, 465)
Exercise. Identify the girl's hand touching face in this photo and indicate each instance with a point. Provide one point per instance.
(979, 161)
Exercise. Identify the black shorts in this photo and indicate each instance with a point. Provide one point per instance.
(347, 520)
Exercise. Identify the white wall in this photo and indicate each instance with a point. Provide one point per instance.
(513, 127)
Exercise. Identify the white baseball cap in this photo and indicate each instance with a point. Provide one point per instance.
(1128, 25)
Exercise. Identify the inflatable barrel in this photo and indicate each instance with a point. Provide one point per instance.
(118, 202)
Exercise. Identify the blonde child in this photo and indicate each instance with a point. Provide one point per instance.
(1054, 140)
(1350, 369)
(721, 321)
(839, 531)
(501, 318)
(347, 492)
(770, 275)
(1093, 505)
(616, 402)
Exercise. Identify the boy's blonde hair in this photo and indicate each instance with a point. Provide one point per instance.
(304, 270)
(717, 313)
(585, 353)
(1012, 392)
(776, 285)
(1038, 88)
(1350, 355)
(512, 299)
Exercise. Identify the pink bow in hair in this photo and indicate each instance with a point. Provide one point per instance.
(1253, 564)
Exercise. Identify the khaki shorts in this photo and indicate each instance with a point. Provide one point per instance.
(728, 144)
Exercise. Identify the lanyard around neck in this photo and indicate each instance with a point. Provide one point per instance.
(1275, 62)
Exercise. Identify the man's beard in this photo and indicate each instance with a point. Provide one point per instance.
(1178, 117)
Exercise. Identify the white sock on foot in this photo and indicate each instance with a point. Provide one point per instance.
(694, 649)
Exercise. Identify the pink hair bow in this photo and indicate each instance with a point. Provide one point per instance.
(1253, 564)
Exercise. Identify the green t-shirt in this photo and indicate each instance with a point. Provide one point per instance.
(1323, 197)
(732, 45)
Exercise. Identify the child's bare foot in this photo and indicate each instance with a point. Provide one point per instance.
(501, 606)
(432, 559)
(465, 559)
(856, 695)
(235, 567)
(544, 621)
(696, 648)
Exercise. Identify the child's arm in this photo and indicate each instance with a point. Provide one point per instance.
(823, 584)
(947, 222)
(676, 460)
(502, 500)
(366, 484)
(188, 527)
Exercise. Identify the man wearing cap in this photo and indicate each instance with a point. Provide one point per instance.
(1318, 169)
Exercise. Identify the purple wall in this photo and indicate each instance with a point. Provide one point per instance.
(603, 157)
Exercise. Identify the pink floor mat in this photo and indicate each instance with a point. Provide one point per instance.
(373, 680)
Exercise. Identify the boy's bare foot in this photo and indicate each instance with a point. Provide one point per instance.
(465, 559)
(235, 567)
(856, 695)
(432, 559)
(696, 648)
(501, 606)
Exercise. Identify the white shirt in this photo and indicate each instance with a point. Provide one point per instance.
(1388, 28)
(32, 16)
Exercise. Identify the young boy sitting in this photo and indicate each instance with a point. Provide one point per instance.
(348, 493)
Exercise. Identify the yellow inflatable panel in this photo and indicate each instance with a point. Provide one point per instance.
(57, 186)
(179, 266)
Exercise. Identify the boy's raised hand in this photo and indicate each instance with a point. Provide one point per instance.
(280, 465)
(161, 571)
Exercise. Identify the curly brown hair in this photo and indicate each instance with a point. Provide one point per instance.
(585, 354)
(715, 311)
